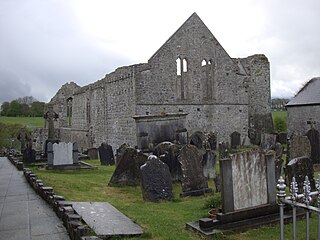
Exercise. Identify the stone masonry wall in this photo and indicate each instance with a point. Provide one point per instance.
(298, 116)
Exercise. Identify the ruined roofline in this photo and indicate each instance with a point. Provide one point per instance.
(194, 15)
(134, 68)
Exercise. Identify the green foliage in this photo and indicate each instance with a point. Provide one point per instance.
(23, 107)
(8, 132)
(213, 202)
(279, 124)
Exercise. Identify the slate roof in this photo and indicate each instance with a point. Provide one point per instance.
(309, 94)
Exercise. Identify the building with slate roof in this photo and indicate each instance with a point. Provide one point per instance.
(303, 115)
(189, 86)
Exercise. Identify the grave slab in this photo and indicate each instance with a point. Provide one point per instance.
(106, 220)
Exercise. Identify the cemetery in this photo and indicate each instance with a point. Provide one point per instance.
(203, 167)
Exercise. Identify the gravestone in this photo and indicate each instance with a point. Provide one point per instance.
(197, 139)
(299, 146)
(235, 140)
(209, 164)
(62, 155)
(106, 154)
(50, 153)
(278, 160)
(120, 151)
(282, 137)
(93, 153)
(248, 180)
(168, 153)
(299, 168)
(268, 141)
(24, 138)
(193, 182)
(313, 136)
(50, 116)
(29, 155)
(127, 171)
(75, 153)
(223, 150)
(156, 181)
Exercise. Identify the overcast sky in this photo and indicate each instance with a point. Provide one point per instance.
(46, 43)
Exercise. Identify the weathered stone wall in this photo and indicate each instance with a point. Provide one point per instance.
(191, 73)
(258, 86)
(220, 119)
(297, 117)
(120, 107)
(60, 101)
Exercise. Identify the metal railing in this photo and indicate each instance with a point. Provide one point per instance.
(296, 200)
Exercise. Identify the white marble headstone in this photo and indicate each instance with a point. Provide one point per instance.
(62, 153)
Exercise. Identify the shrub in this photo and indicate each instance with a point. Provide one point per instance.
(279, 124)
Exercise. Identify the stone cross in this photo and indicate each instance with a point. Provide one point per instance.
(51, 116)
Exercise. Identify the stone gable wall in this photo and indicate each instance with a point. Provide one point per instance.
(298, 116)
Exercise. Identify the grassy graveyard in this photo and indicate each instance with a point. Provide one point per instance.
(164, 220)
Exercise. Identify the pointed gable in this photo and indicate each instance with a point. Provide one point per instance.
(192, 33)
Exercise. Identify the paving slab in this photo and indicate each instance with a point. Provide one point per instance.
(106, 220)
(23, 214)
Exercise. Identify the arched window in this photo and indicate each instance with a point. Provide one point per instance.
(204, 62)
(184, 65)
(178, 61)
(69, 111)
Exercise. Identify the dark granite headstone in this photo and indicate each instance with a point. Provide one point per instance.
(156, 181)
(106, 154)
(268, 141)
(197, 139)
(193, 182)
(299, 168)
(282, 137)
(93, 153)
(168, 153)
(235, 140)
(75, 153)
(29, 155)
(50, 153)
(127, 171)
(313, 136)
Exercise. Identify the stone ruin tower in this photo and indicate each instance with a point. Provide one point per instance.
(189, 85)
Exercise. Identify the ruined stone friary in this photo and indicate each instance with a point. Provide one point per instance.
(188, 87)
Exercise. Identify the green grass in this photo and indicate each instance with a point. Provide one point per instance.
(279, 114)
(163, 220)
(29, 122)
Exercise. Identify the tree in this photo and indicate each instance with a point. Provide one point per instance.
(15, 109)
(5, 108)
(27, 100)
(37, 109)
